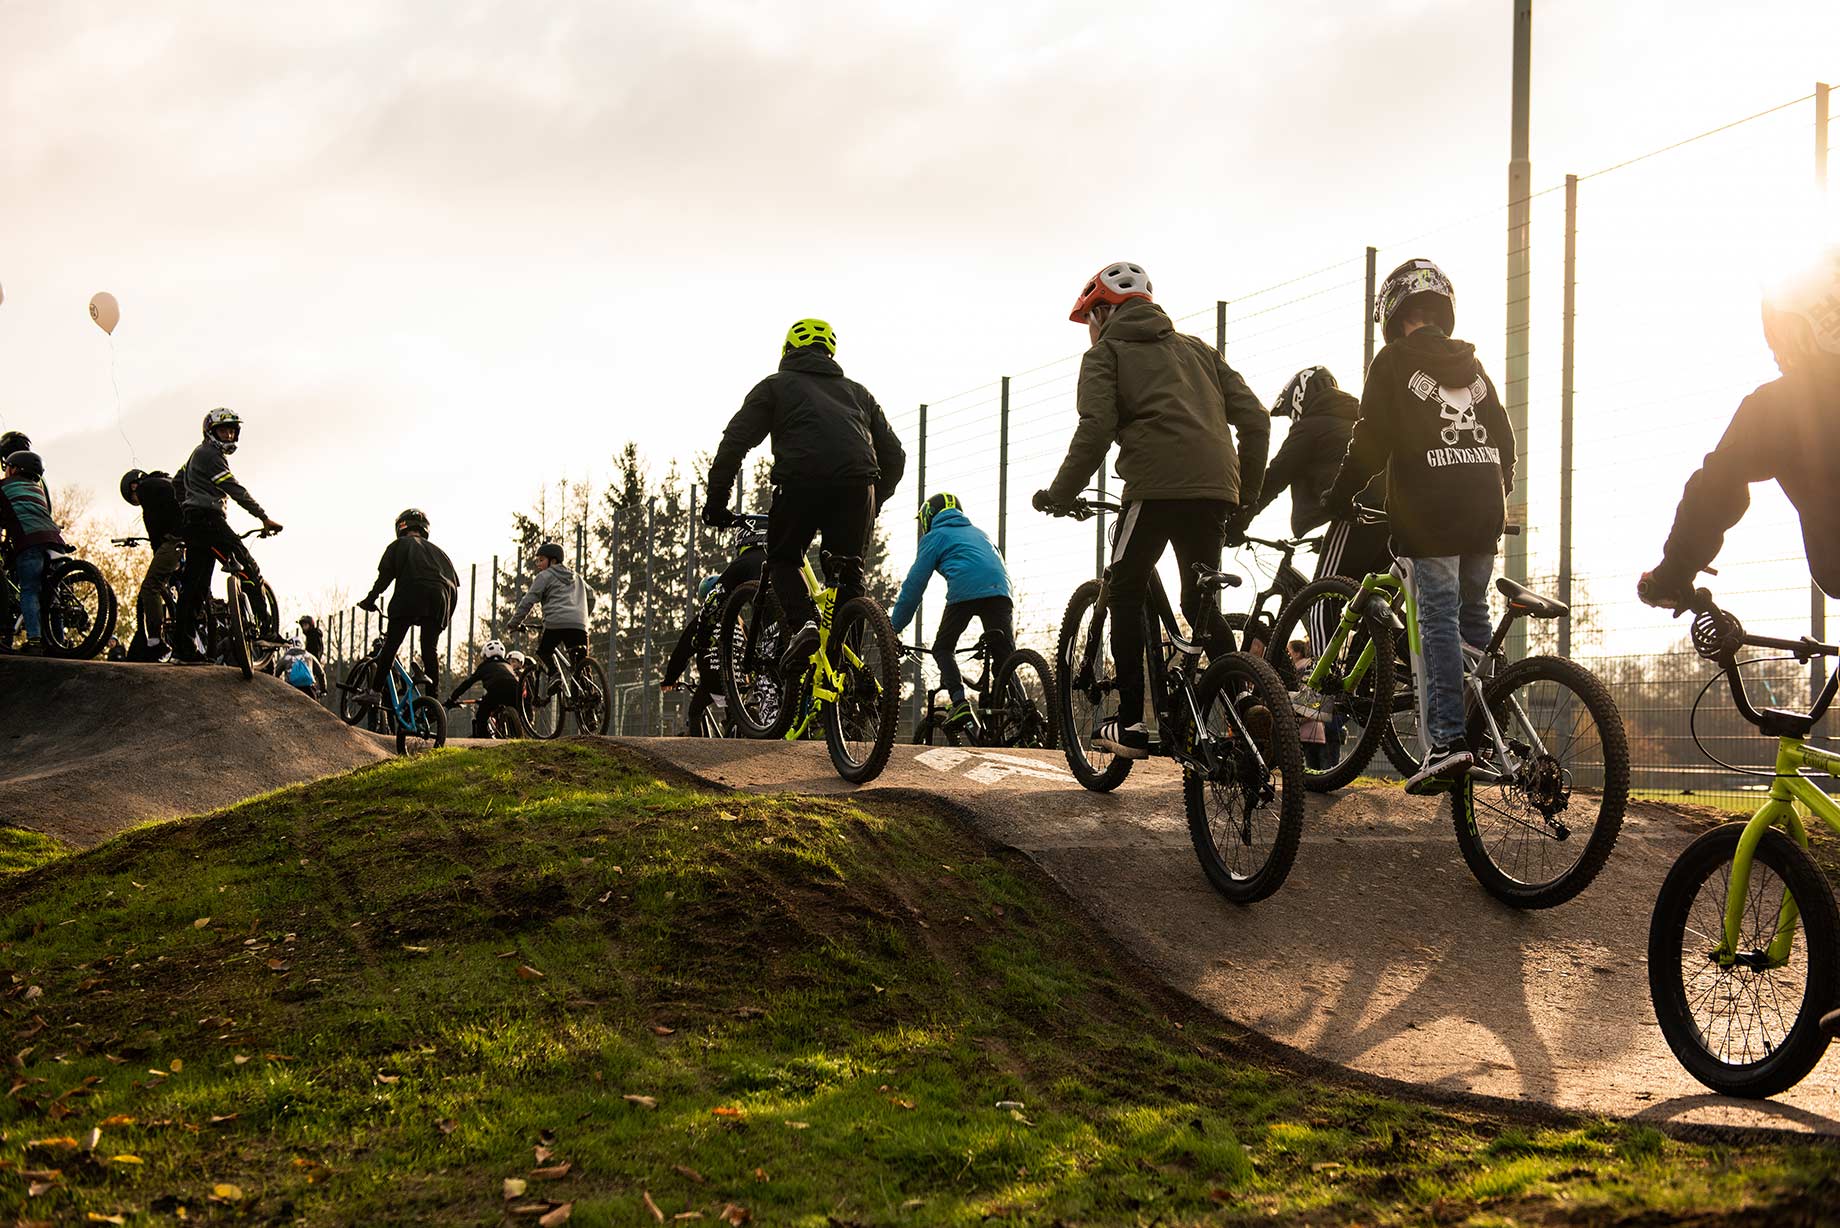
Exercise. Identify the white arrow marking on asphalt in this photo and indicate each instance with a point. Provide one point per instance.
(989, 767)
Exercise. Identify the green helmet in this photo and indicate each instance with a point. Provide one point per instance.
(935, 505)
(810, 332)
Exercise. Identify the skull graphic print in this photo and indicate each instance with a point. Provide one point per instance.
(1457, 406)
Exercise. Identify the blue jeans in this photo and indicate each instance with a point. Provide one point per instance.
(1452, 596)
(29, 574)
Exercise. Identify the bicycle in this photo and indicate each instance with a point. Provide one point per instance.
(1254, 627)
(855, 698)
(1242, 788)
(1724, 962)
(77, 610)
(1018, 708)
(1544, 731)
(406, 712)
(505, 723)
(241, 629)
(707, 714)
(565, 685)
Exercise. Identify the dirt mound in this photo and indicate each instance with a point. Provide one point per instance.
(89, 748)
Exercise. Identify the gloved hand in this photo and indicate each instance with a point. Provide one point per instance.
(369, 603)
(1234, 531)
(1339, 507)
(1045, 502)
(452, 700)
(1664, 589)
(718, 515)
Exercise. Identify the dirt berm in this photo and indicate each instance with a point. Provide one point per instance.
(89, 748)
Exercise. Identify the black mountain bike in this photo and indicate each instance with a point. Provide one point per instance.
(1254, 627)
(243, 627)
(1020, 708)
(76, 606)
(1231, 729)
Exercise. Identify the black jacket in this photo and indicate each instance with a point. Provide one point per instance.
(825, 428)
(1431, 421)
(1789, 430)
(160, 509)
(426, 582)
(496, 676)
(1311, 456)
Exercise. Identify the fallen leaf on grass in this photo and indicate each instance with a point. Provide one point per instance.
(158, 1074)
(507, 954)
(558, 1216)
(554, 1172)
(97, 1217)
(686, 1171)
(652, 1206)
(33, 991)
(384, 1078)
(760, 1174)
(515, 1187)
(278, 965)
(119, 1119)
(899, 1103)
(658, 1029)
(542, 1154)
(527, 973)
(177, 1064)
(734, 1213)
(218, 1119)
(201, 922)
(447, 1125)
(644, 1102)
(1327, 1166)
(40, 1187)
(727, 1111)
(798, 1125)
(61, 1143)
(278, 1057)
(1016, 1115)
(529, 1208)
(416, 950)
(126, 1159)
(113, 1060)
(226, 1192)
(92, 1138)
(239, 1058)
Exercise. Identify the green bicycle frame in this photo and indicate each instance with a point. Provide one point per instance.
(1789, 786)
(1379, 582)
(825, 680)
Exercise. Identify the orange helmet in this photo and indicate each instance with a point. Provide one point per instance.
(1112, 284)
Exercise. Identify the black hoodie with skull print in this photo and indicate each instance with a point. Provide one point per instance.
(1431, 420)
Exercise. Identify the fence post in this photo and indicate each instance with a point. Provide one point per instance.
(1367, 317)
(1519, 292)
(1817, 600)
(472, 616)
(493, 596)
(1220, 327)
(1003, 471)
(613, 615)
(645, 655)
(1566, 355)
(920, 498)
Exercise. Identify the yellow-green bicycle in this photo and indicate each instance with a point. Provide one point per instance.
(851, 687)
(1744, 942)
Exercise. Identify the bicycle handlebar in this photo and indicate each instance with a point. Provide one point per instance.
(258, 531)
(1377, 515)
(1717, 635)
(126, 541)
(1083, 509)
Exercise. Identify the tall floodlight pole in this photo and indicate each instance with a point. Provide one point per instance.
(1817, 600)
(1520, 178)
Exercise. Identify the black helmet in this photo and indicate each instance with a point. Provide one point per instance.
(935, 505)
(550, 551)
(31, 462)
(128, 481)
(13, 441)
(1290, 402)
(412, 519)
(1420, 282)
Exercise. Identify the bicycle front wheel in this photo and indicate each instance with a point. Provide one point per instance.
(241, 628)
(542, 703)
(859, 725)
(1246, 817)
(1354, 711)
(426, 728)
(592, 706)
(1399, 737)
(748, 649)
(1023, 703)
(1538, 836)
(1088, 690)
(1747, 1024)
(352, 708)
(76, 610)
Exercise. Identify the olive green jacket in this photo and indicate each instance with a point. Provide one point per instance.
(1173, 407)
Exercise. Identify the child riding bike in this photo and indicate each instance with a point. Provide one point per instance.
(28, 538)
(426, 589)
(1787, 430)
(299, 668)
(503, 688)
(206, 529)
(1174, 408)
(977, 586)
(1431, 420)
(699, 640)
(563, 599)
(836, 461)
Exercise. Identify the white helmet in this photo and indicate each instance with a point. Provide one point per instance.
(494, 650)
(518, 657)
(1802, 312)
(222, 417)
(297, 641)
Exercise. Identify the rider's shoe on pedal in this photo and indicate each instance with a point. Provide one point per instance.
(1258, 723)
(1128, 742)
(1444, 767)
(804, 642)
(961, 715)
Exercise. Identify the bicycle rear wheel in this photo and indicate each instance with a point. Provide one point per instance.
(1246, 819)
(1023, 702)
(749, 653)
(859, 725)
(1539, 838)
(1359, 712)
(426, 728)
(76, 609)
(1753, 1027)
(352, 708)
(542, 702)
(1399, 738)
(592, 706)
(237, 637)
(1088, 690)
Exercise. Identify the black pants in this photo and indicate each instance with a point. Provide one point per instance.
(1350, 549)
(498, 698)
(843, 512)
(998, 614)
(575, 639)
(1194, 528)
(206, 535)
(425, 619)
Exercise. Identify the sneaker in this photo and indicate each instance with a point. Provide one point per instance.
(34, 648)
(1830, 1023)
(961, 714)
(798, 652)
(1444, 767)
(1258, 723)
(1127, 742)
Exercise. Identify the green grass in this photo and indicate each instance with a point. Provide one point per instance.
(310, 1009)
(22, 850)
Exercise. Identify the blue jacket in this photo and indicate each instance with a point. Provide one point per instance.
(960, 551)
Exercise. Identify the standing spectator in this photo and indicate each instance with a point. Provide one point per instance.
(158, 498)
(314, 637)
(1313, 734)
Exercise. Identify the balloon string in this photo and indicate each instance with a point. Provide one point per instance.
(116, 385)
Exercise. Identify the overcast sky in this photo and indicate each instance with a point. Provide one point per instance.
(436, 253)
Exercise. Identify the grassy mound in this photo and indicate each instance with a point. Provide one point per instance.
(536, 981)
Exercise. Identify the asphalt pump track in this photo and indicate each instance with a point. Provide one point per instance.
(1380, 953)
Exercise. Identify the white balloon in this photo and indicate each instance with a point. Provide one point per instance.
(105, 311)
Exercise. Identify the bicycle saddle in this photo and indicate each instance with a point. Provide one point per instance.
(1524, 600)
(1213, 579)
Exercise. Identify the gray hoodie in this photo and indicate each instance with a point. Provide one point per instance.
(563, 596)
(208, 479)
